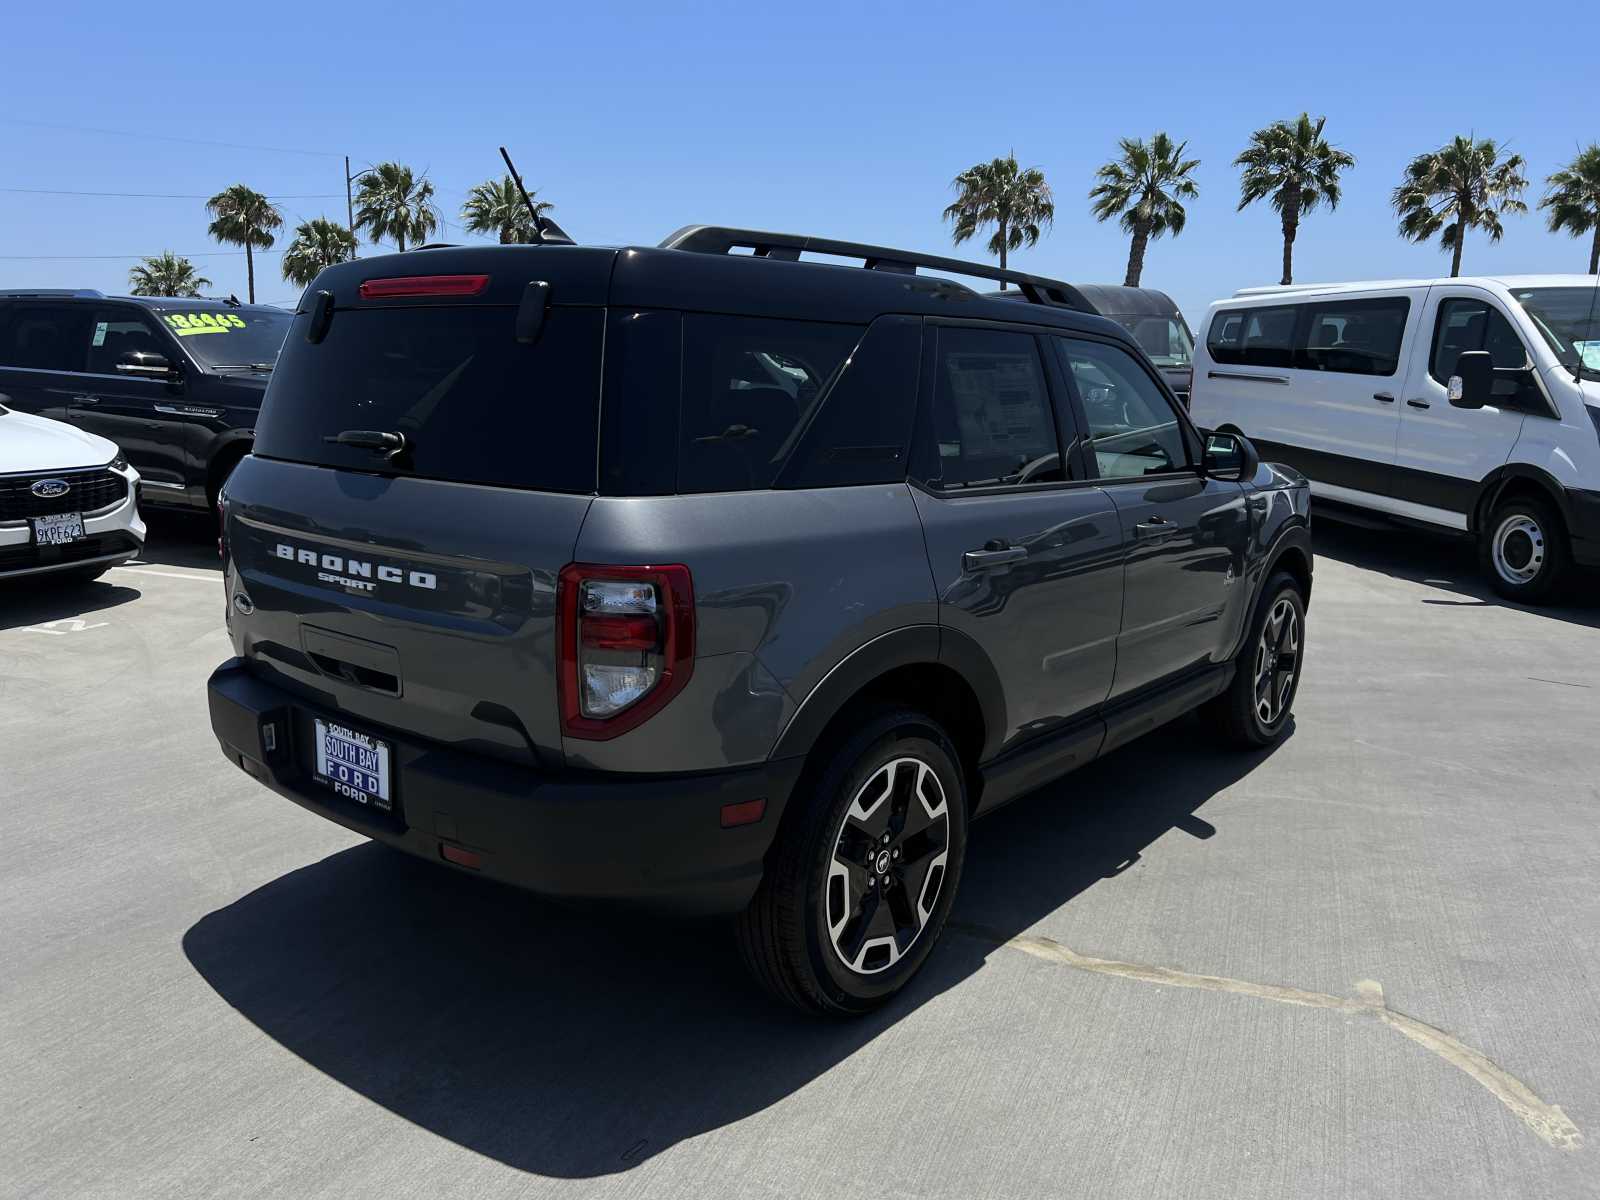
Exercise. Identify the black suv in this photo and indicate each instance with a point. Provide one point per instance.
(732, 581)
(175, 383)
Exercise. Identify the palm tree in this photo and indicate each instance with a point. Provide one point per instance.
(1145, 186)
(317, 244)
(1016, 202)
(1460, 186)
(167, 274)
(1292, 166)
(495, 206)
(244, 218)
(393, 203)
(1574, 200)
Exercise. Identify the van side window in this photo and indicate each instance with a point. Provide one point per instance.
(1466, 324)
(1354, 337)
(1133, 430)
(748, 383)
(1259, 337)
(992, 423)
(43, 337)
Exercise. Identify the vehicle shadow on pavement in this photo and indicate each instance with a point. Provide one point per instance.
(1443, 561)
(581, 1043)
(180, 539)
(45, 599)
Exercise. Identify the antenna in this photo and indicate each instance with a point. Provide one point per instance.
(538, 225)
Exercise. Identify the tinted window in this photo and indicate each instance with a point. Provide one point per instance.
(992, 423)
(1259, 337)
(43, 337)
(1354, 337)
(1164, 339)
(1464, 324)
(748, 384)
(475, 405)
(862, 427)
(115, 332)
(1132, 428)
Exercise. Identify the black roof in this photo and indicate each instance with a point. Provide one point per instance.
(176, 303)
(1116, 300)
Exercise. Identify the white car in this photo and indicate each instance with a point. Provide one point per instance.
(1463, 404)
(69, 501)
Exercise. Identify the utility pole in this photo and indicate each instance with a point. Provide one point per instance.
(349, 204)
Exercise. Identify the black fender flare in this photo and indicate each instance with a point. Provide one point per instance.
(234, 441)
(1494, 486)
(914, 645)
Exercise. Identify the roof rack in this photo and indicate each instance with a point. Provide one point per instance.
(55, 293)
(717, 239)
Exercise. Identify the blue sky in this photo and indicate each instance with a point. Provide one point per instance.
(846, 120)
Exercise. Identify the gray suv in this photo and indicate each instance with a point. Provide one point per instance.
(710, 577)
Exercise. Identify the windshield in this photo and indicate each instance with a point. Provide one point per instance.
(1568, 319)
(223, 337)
(1165, 339)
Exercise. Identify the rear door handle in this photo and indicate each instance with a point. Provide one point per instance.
(1385, 397)
(986, 559)
(1155, 527)
(1418, 404)
(86, 399)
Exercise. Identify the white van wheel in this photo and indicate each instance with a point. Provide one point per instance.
(1524, 549)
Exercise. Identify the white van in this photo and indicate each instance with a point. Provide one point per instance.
(1352, 384)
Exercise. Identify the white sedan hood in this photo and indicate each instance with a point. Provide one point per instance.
(29, 444)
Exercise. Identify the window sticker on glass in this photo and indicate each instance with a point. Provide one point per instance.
(189, 324)
(100, 333)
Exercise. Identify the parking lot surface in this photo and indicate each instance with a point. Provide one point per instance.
(1365, 964)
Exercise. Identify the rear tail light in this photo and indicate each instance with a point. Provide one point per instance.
(627, 645)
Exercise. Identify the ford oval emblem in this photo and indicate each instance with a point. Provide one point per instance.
(49, 489)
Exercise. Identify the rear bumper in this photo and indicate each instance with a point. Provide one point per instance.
(652, 839)
(1583, 523)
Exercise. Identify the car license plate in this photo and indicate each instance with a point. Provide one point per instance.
(58, 529)
(354, 765)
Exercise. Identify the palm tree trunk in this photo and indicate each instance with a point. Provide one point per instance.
(1455, 252)
(250, 270)
(1594, 251)
(1003, 232)
(1291, 228)
(1141, 238)
(400, 240)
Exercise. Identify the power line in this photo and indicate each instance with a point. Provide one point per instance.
(113, 257)
(163, 137)
(161, 195)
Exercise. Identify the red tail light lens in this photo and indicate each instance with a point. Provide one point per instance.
(627, 645)
(424, 285)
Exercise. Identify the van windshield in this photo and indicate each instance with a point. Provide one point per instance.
(1165, 339)
(224, 337)
(1568, 318)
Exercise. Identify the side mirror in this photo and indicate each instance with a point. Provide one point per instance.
(1473, 381)
(1230, 456)
(143, 362)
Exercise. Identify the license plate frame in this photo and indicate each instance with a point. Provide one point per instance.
(354, 765)
(58, 529)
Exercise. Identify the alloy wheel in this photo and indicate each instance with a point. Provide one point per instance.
(1277, 661)
(888, 866)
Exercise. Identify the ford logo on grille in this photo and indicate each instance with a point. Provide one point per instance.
(49, 489)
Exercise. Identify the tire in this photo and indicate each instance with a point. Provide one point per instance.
(816, 935)
(1245, 715)
(1522, 548)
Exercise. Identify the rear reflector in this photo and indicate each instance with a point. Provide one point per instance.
(424, 285)
(462, 858)
(746, 813)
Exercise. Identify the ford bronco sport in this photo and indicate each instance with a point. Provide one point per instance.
(707, 576)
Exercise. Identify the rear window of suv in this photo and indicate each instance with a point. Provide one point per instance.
(475, 405)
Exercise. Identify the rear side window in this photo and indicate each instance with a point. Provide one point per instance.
(862, 429)
(748, 385)
(1354, 337)
(43, 337)
(993, 425)
(1259, 337)
(475, 405)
